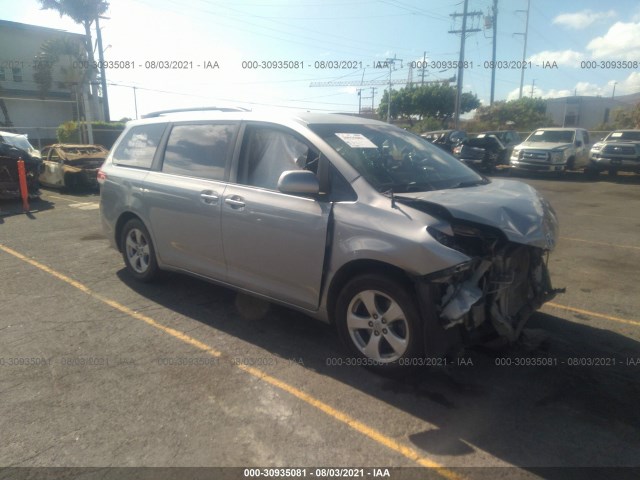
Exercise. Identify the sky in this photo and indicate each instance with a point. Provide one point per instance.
(586, 47)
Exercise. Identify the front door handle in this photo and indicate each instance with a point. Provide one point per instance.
(209, 197)
(235, 202)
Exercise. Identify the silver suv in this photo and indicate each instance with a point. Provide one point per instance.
(355, 222)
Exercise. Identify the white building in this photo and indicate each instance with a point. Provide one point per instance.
(26, 111)
(587, 112)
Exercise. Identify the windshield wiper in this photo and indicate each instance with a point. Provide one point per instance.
(393, 198)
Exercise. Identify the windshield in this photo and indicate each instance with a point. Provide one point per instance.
(483, 142)
(18, 141)
(393, 160)
(552, 136)
(633, 135)
(79, 150)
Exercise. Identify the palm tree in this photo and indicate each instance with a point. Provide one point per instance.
(84, 12)
(67, 53)
(6, 123)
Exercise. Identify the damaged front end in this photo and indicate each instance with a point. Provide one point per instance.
(506, 278)
(81, 172)
(504, 283)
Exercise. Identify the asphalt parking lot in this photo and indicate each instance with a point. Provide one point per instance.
(99, 371)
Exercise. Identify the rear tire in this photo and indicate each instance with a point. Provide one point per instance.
(138, 252)
(378, 321)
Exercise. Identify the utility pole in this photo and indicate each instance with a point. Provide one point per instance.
(533, 84)
(135, 101)
(392, 63)
(494, 24)
(424, 67)
(359, 90)
(524, 50)
(103, 78)
(463, 36)
(373, 97)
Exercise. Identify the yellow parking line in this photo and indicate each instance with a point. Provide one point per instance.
(600, 243)
(594, 314)
(342, 417)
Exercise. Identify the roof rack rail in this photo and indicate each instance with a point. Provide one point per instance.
(195, 109)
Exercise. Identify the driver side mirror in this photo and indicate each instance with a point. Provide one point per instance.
(298, 182)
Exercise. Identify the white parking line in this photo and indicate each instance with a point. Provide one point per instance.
(78, 205)
(85, 205)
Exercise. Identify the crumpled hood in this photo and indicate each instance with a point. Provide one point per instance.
(515, 208)
(544, 145)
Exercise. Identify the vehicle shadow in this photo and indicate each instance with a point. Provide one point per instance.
(14, 207)
(76, 191)
(565, 396)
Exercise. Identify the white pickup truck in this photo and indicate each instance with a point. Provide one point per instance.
(552, 150)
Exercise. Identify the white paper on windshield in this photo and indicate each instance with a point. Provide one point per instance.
(541, 132)
(356, 140)
(616, 134)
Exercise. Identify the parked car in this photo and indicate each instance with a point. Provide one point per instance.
(352, 221)
(617, 152)
(70, 166)
(508, 138)
(445, 139)
(484, 152)
(9, 179)
(20, 141)
(552, 150)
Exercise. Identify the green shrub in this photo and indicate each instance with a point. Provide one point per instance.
(104, 133)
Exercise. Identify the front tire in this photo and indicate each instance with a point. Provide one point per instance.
(379, 322)
(138, 252)
(591, 174)
(70, 182)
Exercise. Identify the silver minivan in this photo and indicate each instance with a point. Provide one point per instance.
(355, 222)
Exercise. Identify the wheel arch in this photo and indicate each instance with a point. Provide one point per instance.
(122, 221)
(361, 267)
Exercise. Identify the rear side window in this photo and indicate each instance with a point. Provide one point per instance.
(198, 150)
(138, 146)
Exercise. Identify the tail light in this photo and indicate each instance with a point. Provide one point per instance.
(101, 176)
